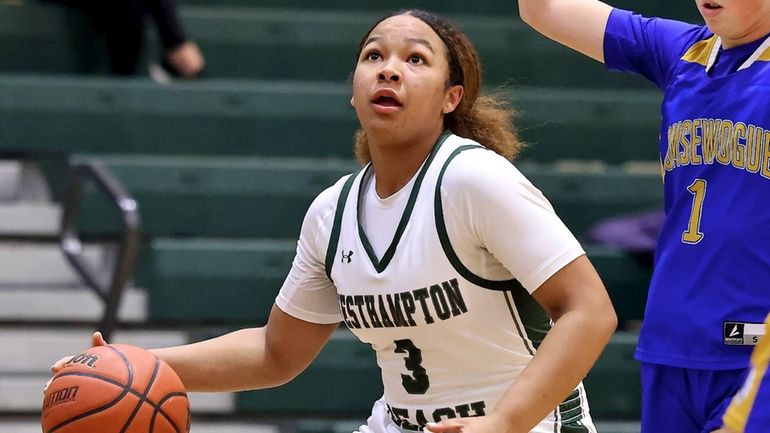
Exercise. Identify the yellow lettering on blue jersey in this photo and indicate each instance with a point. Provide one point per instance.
(697, 133)
(673, 139)
(684, 134)
(766, 156)
(738, 149)
(753, 148)
(710, 140)
(725, 142)
(706, 141)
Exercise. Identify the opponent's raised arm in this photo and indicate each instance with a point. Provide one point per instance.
(578, 24)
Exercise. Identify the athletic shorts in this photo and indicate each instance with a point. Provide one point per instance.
(685, 400)
(749, 411)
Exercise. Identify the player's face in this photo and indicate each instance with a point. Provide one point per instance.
(737, 22)
(400, 81)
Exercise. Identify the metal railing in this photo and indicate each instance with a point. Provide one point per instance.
(110, 292)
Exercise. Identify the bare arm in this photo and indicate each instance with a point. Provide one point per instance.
(584, 322)
(250, 358)
(578, 24)
(577, 301)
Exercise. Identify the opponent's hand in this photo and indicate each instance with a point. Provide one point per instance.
(482, 424)
(96, 340)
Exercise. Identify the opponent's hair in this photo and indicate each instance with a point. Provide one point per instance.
(483, 118)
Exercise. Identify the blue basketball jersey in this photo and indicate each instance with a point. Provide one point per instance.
(712, 264)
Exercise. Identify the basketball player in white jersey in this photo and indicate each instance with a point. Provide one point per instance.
(481, 306)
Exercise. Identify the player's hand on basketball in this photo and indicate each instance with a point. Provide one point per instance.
(482, 424)
(96, 340)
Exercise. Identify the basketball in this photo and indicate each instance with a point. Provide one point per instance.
(115, 389)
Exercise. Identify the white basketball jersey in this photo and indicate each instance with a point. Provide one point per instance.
(448, 342)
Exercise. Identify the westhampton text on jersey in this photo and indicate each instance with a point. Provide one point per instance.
(439, 301)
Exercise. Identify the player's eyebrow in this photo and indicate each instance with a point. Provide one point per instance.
(420, 41)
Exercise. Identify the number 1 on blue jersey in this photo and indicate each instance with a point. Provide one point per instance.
(693, 234)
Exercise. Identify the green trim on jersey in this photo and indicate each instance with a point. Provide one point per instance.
(331, 250)
(570, 413)
(535, 321)
(380, 265)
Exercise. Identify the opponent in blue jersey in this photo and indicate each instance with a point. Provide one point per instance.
(711, 284)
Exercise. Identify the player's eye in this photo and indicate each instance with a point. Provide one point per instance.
(415, 59)
(373, 56)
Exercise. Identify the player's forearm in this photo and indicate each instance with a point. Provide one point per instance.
(562, 361)
(232, 362)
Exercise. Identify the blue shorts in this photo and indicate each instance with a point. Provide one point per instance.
(684, 400)
(758, 416)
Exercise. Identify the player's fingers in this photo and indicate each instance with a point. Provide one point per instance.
(97, 339)
(47, 384)
(446, 426)
(60, 363)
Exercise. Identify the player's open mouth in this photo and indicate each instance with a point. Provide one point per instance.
(387, 102)
(386, 98)
(711, 6)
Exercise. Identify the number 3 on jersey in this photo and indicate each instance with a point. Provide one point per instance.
(418, 382)
(693, 234)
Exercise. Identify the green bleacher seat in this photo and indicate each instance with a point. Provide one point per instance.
(42, 39)
(216, 197)
(52, 114)
(213, 280)
(343, 381)
(583, 196)
(82, 115)
(321, 45)
(627, 278)
(613, 384)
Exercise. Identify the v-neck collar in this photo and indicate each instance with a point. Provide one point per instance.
(750, 61)
(381, 264)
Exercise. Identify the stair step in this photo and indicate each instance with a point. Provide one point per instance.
(10, 180)
(26, 368)
(32, 351)
(66, 304)
(30, 219)
(42, 263)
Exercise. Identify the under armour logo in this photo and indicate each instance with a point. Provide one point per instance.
(346, 257)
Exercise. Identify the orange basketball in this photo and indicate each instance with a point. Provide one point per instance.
(115, 389)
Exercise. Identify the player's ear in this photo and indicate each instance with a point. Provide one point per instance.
(452, 98)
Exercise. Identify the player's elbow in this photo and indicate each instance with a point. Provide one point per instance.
(608, 320)
(528, 12)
